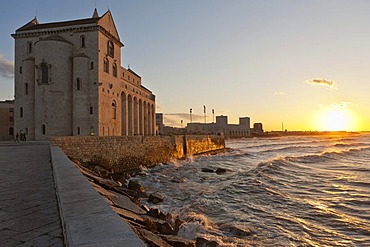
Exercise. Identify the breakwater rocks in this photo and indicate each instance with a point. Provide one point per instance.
(120, 154)
(153, 226)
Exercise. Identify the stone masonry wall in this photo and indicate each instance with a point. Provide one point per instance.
(127, 153)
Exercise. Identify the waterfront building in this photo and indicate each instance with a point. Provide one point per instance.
(257, 128)
(162, 129)
(69, 81)
(6, 120)
(222, 126)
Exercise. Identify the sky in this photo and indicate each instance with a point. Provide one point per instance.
(296, 65)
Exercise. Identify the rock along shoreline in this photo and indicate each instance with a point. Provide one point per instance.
(124, 196)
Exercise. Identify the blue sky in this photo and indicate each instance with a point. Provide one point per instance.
(241, 58)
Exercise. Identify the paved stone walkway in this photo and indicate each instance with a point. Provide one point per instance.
(29, 213)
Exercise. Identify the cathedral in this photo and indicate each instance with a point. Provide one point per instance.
(69, 82)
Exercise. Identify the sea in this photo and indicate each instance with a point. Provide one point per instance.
(279, 191)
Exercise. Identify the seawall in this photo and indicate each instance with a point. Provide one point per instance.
(128, 153)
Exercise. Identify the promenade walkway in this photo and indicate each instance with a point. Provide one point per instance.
(29, 213)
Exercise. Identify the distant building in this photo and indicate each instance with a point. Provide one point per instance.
(257, 128)
(167, 130)
(221, 126)
(7, 120)
(69, 81)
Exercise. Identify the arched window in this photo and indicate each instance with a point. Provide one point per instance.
(78, 84)
(44, 73)
(21, 112)
(92, 65)
(78, 131)
(115, 70)
(20, 70)
(106, 65)
(43, 129)
(110, 48)
(82, 41)
(11, 131)
(114, 107)
(26, 88)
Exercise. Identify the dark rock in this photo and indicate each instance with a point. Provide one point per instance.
(202, 242)
(156, 197)
(207, 170)
(237, 230)
(136, 186)
(123, 181)
(158, 225)
(165, 228)
(154, 212)
(135, 193)
(177, 180)
(115, 176)
(145, 208)
(178, 241)
(106, 183)
(152, 239)
(162, 216)
(124, 202)
(129, 215)
(220, 170)
(101, 171)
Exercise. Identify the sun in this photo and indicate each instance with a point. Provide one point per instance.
(337, 117)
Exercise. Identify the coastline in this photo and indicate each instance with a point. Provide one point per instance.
(124, 196)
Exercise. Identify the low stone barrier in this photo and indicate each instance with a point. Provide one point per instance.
(128, 153)
(87, 220)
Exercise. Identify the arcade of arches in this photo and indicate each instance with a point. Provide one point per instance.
(137, 116)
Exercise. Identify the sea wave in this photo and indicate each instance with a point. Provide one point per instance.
(314, 191)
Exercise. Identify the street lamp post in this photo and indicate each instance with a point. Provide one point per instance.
(191, 111)
(213, 113)
(204, 110)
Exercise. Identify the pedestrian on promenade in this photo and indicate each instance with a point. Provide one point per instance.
(16, 138)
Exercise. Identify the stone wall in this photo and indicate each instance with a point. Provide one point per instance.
(128, 153)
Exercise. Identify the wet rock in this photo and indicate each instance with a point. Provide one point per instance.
(177, 180)
(154, 212)
(207, 170)
(123, 181)
(178, 241)
(203, 242)
(152, 239)
(129, 215)
(133, 193)
(145, 208)
(237, 230)
(156, 197)
(159, 225)
(106, 183)
(162, 216)
(221, 170)
(124, 202)
(136, 186)
(101, 171)
(165, 228)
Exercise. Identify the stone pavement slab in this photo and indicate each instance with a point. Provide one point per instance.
(29, 214)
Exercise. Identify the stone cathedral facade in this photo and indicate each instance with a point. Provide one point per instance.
(69, 81)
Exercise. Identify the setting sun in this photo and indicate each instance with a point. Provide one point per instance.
(337, 117)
